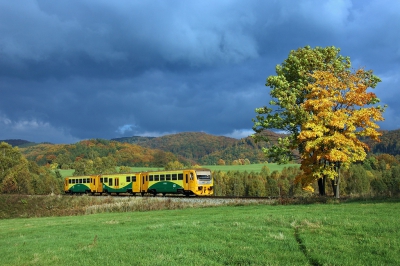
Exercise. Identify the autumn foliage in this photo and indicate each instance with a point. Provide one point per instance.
(341, 110)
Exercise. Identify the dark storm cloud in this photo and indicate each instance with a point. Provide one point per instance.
(73, 70)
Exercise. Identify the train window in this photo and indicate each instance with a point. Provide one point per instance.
(147, 178)
(180, 176)
(186, 177)
(70, 181)
(204, 177)
(80, 181)
(116, 182)
(101, 180)
(128, 179)
(191, 176)
(162, 177)
(134, 178)
(151, 178)
(156, 178)
(110, 182)
(168, 177)
(105, 179)
(174, 177)
(88, 180)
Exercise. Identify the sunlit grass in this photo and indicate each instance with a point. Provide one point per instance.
(316, 234)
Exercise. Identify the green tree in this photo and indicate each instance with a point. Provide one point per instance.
(125, 169)
(175, 165)
(288, 90)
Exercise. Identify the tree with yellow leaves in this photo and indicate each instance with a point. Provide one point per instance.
(340, 110)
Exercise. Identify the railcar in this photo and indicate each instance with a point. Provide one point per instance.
(119, 183)
(77, 184)
(188, 182)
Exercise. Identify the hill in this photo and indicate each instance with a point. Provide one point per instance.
(188, 147)
(122, 153)
(133, 140)
(389, 143)
(206, 149)
(18, 142)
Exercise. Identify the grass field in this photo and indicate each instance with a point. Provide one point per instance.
(249, 168)
(355, 233)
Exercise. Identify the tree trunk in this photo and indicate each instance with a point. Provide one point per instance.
(335, 187)
(321, 186)
(335, 183)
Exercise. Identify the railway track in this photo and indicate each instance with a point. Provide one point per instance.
(171, 196)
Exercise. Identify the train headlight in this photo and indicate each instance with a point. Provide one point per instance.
(200, 188)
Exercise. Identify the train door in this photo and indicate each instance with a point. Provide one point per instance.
(144, 182)
(136, 182)
(66, 184)
(188, 180)
(95, 185)
(116, 184)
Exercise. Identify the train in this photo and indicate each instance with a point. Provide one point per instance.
(198, 182)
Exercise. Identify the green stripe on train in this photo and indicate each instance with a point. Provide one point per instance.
(79, 188)
(165, 187)
(118, 190)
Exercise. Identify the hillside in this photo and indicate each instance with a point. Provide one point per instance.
(133, 140)
(188, 147)
(204, 148)
(122, 153)
(18, 142)
(389, 143)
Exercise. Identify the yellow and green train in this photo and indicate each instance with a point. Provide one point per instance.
(187, 182)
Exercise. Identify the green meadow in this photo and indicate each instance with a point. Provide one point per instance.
(242, 168)
(352, 233)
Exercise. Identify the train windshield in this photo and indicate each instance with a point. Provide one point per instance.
(204, 175)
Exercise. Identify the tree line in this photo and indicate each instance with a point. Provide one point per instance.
(378, 175)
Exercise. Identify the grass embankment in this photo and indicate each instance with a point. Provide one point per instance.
(355, 233)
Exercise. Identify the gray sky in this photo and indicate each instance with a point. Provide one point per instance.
(81, 69)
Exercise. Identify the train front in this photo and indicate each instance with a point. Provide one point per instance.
(204, 184)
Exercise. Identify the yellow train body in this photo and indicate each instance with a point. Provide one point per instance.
(188, 182)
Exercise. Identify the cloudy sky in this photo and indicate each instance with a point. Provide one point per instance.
(82, 69)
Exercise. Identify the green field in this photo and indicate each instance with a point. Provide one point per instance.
(357, 233)
(249, 168)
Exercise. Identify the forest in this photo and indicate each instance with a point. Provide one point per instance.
(32, 169)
